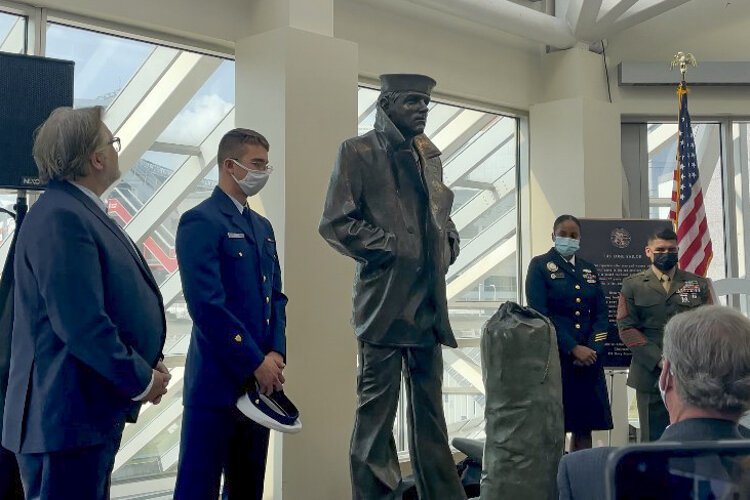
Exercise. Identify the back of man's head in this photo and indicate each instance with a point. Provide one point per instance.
(65, 141)
(708, 350)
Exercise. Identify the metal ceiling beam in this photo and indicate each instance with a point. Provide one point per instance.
(638, 16)
(602, 25)
(510, 18)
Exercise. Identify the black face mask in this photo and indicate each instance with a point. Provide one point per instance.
(665, 261)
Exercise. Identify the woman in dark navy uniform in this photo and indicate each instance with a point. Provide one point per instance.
(567, 290)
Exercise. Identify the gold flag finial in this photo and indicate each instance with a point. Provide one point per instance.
(683, 60)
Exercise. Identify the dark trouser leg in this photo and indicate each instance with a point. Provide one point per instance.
(246, 466)
(374, 464)
(10, 478)
(203, 452)
(80, 473)
(652, 415)
(431, 459)
(580, 441)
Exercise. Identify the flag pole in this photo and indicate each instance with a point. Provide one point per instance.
(680, 60)
(688, 212)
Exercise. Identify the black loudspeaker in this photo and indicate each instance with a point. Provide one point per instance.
(30, 88)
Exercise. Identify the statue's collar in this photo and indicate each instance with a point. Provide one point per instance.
(396, 139)
(385, 125)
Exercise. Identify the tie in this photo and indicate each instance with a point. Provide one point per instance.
(665, 282)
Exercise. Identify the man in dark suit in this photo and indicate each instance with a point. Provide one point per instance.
(647, 300)
(704, 383)
(88, 327)
(232, 285)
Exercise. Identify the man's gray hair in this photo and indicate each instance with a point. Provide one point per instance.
(709, 352)
(64, 142)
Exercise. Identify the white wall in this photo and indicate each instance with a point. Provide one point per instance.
(466, 62)
(713, 30)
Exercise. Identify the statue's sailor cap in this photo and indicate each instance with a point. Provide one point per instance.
(406, 82)
(275, 412)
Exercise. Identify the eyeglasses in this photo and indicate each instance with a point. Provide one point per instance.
(115, 142)
(257, 166)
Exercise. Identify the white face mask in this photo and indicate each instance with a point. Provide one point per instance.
(253, 181)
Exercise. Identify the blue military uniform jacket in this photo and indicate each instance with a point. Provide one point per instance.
(231, 281)
(572, 298)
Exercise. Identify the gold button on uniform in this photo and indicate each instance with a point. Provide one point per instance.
(578, 287)
(578, 313)
(578, 326)
(238, 338)
(578, 300)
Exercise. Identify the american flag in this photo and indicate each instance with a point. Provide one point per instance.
(687, 210)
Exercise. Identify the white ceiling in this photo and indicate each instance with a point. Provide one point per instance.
(558, 23)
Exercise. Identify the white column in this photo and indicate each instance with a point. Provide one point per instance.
(575, 145)
(299, 88)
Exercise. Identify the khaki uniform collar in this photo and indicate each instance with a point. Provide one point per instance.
(659, 274)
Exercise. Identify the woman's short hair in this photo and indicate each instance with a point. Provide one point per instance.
(563, 218)
(66, 140)
(708, 349)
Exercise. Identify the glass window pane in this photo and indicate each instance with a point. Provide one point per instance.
(12, 33)
(479, 154)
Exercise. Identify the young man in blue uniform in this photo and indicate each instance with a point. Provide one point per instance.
(232, 285)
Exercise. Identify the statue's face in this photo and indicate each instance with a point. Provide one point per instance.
(409, 113)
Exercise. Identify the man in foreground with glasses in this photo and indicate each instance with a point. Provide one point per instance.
(647, 300)
(88, 327)
(231, 281)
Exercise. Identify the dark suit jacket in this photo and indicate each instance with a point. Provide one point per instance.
(88, 326)
(581, 474)
(231, 280)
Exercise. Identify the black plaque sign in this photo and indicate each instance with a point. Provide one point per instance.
(617, 248)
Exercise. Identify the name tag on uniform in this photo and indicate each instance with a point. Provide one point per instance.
(235, 235)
